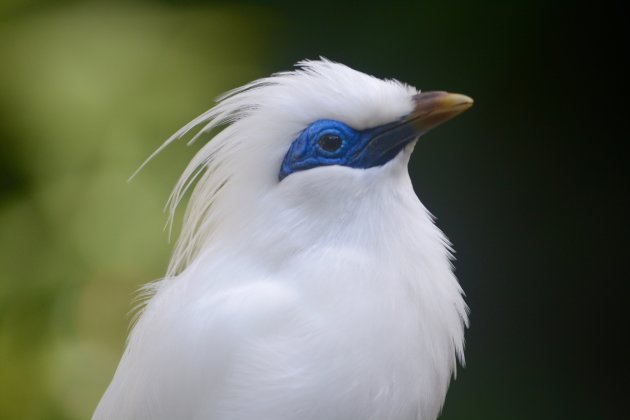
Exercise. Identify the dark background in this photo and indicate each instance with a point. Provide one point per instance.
(529, 184)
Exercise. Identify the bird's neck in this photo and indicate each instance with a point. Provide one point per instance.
(371, 215)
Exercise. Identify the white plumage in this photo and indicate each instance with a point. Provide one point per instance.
(326, 295)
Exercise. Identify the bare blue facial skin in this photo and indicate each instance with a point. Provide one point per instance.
(330, 142)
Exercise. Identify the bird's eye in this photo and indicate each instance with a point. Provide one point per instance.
(330, 142)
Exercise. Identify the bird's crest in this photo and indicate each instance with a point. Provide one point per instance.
(315, 89)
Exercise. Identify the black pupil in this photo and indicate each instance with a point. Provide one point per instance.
(330, 142)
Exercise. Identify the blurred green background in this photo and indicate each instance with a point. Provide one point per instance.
(528, 184)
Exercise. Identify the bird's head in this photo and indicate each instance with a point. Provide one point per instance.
(304, 145)
(332, 142)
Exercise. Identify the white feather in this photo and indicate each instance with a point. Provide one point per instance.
(329, 295)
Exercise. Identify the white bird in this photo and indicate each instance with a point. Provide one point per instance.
(308, 282)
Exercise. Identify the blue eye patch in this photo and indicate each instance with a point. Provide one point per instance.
(330, 142)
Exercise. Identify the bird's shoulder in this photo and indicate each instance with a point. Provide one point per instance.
(253, 307)
(186, 338)
(221, 303)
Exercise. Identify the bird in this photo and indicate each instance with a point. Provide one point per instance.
(308, 280)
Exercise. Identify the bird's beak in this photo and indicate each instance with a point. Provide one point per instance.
(431, 109)
(435, 108)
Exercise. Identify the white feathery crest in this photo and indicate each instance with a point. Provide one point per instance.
(230, 108)
(213, 166)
